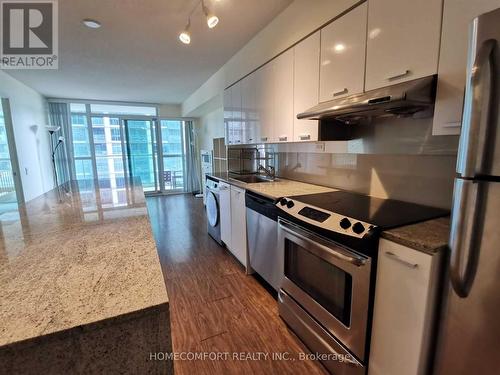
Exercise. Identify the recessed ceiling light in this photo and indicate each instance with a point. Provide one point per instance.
(92, 24)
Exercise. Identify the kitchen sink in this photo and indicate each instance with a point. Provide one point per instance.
(250, 179)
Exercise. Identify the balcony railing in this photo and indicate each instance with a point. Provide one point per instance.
(6, 182)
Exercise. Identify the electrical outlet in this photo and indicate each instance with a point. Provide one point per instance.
(319, 147)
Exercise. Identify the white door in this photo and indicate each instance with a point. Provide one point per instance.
(225, 213)
(343, 44)
(239, 227)
(457, 17)
(306, 86)
(403, 40)
(283, 97)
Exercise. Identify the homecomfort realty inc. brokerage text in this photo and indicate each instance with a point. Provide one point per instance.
(246, 356)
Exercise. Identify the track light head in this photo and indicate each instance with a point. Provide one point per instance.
(212, 19)
(185, 35)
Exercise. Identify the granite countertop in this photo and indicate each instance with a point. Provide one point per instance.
(76, 256)
(430, 236)
(278, 188)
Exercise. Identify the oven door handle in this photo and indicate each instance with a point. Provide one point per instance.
(340, 254)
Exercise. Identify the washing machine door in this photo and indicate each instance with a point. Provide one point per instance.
(212, 207)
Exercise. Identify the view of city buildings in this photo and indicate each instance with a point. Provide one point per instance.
(117, 147)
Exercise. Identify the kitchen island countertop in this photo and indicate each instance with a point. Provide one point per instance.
(78, 255)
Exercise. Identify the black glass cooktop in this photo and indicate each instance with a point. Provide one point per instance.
(384, 213)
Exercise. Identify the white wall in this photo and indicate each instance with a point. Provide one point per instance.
(208, 127)
(170, 110)
(29, 118)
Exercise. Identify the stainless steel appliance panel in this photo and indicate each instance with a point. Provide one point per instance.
(469, 335)
(265, 257)
(325, 294)
(470, 329)
(339, 361)
(479, 151)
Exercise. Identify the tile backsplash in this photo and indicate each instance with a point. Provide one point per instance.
(393, 158)
(423, 179)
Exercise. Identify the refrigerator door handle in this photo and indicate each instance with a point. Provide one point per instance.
(464, 234)
(475, 137)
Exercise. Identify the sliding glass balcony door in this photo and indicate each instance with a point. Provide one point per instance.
(117, 142)
(161, 169)
(173, 152)
(142, 152)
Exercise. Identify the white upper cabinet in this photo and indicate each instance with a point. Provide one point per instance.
(248, 109)
(265, 102)
(343, 45)
(237, 121)
(403, 41)
(457, 17)
(306, 86)
(228, 116)
(283, 97)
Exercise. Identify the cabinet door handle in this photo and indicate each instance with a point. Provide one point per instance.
(305, 137)
(399, 75)
(282, 138)
(342, 92)
(263, 139)
(452, 124)
(402, 261)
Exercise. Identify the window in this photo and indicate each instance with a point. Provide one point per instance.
(173, 154)
(115, 134)
(111, 141)
(77, 108)
(81, 145)
(115, 109)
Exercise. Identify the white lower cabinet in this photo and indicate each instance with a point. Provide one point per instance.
(404, 311)
(238, 225)
(225, 213)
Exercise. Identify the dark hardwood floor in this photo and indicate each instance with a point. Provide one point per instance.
(214, 306)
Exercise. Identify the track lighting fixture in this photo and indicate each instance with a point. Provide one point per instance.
(212, 21)
(185, 35)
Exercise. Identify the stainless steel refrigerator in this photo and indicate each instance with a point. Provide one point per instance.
(469, 330)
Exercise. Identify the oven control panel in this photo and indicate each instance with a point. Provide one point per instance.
(324, 219)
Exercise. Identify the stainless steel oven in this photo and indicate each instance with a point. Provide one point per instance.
(325, 296)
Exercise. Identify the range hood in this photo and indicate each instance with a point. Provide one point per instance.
(403, 99)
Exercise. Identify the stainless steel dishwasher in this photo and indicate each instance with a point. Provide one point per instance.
(266, 259)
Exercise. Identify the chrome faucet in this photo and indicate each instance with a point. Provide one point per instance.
(269, 171)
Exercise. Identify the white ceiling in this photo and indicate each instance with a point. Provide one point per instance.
(136, 54)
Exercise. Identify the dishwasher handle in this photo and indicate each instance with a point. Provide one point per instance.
(262, 205)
